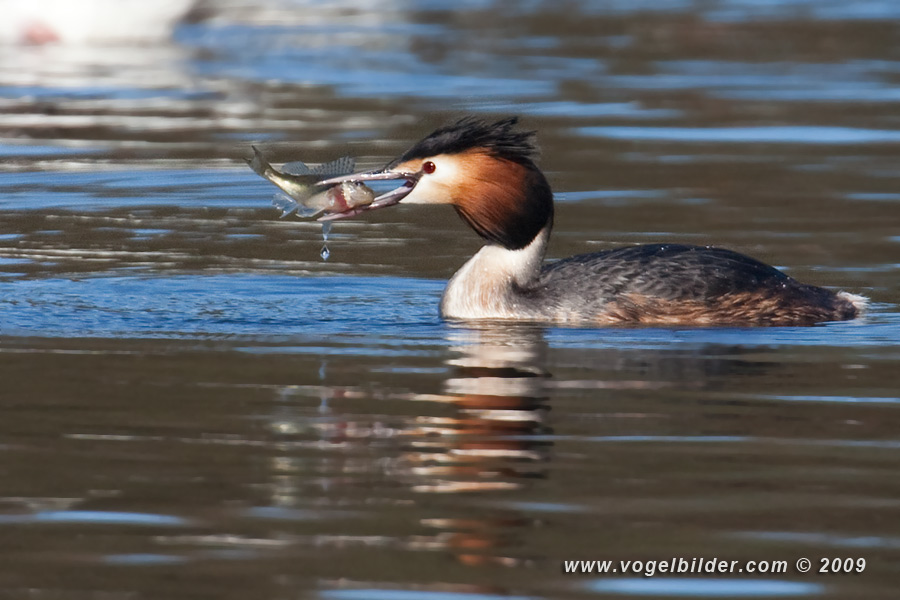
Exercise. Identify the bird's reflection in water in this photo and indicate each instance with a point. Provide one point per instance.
(484, 431)
(495, 441)
(497, 389)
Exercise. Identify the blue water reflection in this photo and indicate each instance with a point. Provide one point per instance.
(96, 517)
(98, 189)
(706, 588)
(214, 305)
(143, 560)
(748, 135)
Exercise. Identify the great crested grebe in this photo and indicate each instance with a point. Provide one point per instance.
(486, 171)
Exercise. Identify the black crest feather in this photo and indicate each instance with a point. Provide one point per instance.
(498, 138)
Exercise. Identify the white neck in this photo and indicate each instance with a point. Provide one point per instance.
(486, 286)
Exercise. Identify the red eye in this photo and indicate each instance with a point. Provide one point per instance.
(429, 167)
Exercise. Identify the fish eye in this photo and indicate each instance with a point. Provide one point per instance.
(429, 167)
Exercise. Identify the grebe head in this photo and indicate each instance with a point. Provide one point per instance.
(486, 171)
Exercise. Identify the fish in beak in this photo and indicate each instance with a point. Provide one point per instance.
(390, 198)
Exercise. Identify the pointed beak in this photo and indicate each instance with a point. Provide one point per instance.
(387, 199)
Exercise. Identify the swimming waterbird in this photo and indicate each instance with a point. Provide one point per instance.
(486, 171)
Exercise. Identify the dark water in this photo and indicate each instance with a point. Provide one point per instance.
(195, 405)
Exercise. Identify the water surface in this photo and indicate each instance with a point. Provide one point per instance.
(197, 405)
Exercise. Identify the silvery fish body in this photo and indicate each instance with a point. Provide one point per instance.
(301, 192)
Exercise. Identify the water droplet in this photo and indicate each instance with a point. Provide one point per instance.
(326, 229)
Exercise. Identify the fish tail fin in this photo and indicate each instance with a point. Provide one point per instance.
(259, 164)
